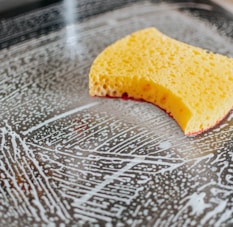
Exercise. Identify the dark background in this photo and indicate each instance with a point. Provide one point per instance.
(25, 19)
(9, 8)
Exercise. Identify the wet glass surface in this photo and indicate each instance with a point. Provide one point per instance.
(67, 158)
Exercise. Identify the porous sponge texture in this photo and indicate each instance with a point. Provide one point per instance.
(194, 86)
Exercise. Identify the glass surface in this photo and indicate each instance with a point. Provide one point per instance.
(68, 158)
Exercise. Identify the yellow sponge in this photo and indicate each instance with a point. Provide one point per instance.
(195, 87)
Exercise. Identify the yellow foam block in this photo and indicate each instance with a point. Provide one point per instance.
(194, 86)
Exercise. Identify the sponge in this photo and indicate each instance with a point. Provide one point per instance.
(192, 85)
